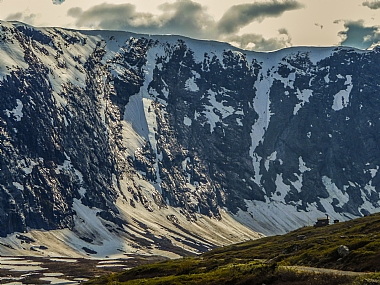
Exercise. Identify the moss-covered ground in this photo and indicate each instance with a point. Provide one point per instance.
(264, 261)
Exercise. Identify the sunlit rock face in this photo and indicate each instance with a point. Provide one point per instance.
(113, 121)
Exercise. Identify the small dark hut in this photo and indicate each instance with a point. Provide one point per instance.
(321, 222)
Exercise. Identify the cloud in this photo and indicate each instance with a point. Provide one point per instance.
(75, 12)
(359, 36)
(372, 4)
(58, 2)
(21, 17)
(318, 25)
(181, 17)
(283, 31)
(259, 43)
(186, 17)
(189, 17)
(14, 17)
(112, 16)
(239, 16)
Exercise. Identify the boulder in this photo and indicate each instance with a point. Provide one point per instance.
(343, 251)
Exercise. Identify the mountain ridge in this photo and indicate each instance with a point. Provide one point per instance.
(183, 130)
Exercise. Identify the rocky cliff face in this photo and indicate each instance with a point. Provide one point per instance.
(55, 142)
(129, 125)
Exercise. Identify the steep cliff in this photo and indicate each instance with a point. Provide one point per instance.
(159, 140)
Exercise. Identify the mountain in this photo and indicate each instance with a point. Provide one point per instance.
(114, 142)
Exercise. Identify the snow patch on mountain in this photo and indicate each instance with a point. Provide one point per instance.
(89, 227)
(334, 192)
(278, 217)
(190, 83)
(303, 96)
(288, 81)
(302, 165)
(66, 66)
(282, 190)
(216, 111)
(187, 121)
(135, 130)
(342, 98)
(366, 193)
(270, 158)
(16, 112)
(11, 52)
(261, 104)
(297, 184)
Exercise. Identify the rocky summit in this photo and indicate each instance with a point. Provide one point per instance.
(113, 142)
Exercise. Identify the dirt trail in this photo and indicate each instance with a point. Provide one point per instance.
(325, 270)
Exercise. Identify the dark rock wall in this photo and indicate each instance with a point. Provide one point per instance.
(56, 152)
(52, 152)
(340, 144)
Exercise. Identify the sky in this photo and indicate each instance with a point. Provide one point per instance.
(262, 25)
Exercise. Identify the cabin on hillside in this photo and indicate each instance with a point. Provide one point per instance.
(321, 222)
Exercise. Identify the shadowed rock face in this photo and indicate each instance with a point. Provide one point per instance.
(216, 127)
(317, 136)
(50, 151)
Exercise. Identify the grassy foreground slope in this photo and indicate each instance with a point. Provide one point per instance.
(265, 261)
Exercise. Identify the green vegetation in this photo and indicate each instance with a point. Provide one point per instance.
(267, 260)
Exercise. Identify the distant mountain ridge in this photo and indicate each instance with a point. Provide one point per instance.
(114, 131)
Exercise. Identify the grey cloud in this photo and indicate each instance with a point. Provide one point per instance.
(189, 17)
(14, 17)
(75, 12)
(58, 2)
(283, 31)
(112, 16)
(259, 43)
(239, 16)
(30, 19)
(26, 18)
(372, 4)
(185, 17)
(359, 36)
(319, 25)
